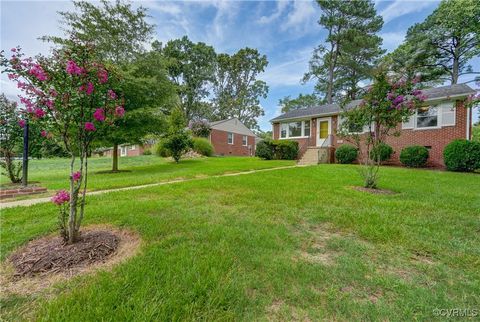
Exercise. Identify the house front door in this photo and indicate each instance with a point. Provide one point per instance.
(323, 131)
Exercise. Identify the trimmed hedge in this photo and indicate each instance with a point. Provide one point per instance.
(346, 154)
(384, 150)
(264, 150)
(462, 155)
(277, 149)
(285, 149)
(414, 156)
(202, 146)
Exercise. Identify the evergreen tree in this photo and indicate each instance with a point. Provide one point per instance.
(353, 49)
(440, 47)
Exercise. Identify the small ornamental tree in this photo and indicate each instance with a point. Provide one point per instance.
(386, 104)
(178, 140)
(72, 96)
(10, 137)
(200, 128)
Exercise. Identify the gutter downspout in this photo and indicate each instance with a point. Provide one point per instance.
(468, 123)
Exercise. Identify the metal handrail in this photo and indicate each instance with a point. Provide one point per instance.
(326, 144)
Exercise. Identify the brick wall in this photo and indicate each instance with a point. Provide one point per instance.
(434, 139)
(219, 140)
(138, 150)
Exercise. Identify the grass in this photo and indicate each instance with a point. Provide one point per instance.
(289, 244)
(54, 173)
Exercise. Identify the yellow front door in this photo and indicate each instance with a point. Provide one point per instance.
(323, 131)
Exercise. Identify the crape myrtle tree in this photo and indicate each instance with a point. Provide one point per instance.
(119, 32)
(11, 135)
(73, 97)
(385, 105)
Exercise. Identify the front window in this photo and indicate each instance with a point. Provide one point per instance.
(283, 130)
(306, 128)
(427, 117)
(230, 138)
(244, 140)
(295, 129)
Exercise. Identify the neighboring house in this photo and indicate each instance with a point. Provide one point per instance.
(125, 150)
(232, 137)
(441, 120)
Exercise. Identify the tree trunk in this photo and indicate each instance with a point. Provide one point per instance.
(115, 158)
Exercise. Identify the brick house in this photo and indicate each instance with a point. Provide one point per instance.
(441, 120)
(232, 137)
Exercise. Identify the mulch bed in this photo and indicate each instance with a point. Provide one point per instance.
(52, 255)
(375, 191)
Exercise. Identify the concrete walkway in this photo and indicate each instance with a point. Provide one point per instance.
(30, 202)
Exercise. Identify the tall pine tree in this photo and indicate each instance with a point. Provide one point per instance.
(352, 51)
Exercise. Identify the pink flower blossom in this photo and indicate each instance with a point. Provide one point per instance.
(73, 68)
(111, 94)
(44, 133)
(99, 114)
(90, 127)
(38, 72)
(89, 90)
(53, 93)
(102, 76)
(39, 113)
(398, 100)
(76, 176)
(49, 104)
(119, 111)
(390, 96)
(13, 49)
(12, 76)
(61, 197)
(22, 123)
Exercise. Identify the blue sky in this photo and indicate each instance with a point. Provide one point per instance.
(285, 31)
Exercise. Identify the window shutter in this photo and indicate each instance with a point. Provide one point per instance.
(411, 122)
(448, 113)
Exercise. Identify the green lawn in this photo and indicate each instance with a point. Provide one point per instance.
(287, 244)
(54, 173)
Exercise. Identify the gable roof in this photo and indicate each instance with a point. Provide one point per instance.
(233, 125)
(433, 94)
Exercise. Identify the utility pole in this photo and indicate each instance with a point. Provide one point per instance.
(25, 155)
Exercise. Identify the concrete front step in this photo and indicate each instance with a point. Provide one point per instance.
(314, 155)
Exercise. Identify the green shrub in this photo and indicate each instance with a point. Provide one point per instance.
(414, 156)
(161, 150)
(285, 149)
(265, 150)
(383, 150)
(147, 152)
(346, 154)
(178, 144)
(202, 146)
(462, 155)
(277, 149)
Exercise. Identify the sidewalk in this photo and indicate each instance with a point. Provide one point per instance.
(30, 202)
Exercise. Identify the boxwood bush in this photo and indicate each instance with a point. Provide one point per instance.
(277, 149)
(264, 150)
(346, 154)
(414, 156)
(285, 149)
(383, 150)
(462, 155)
(203, 146)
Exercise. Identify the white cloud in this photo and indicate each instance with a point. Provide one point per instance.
(399, 8)
(302, 17)
(392, 40)
(289, 72)
(281, 6)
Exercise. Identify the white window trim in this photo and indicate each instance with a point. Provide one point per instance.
(132, 147)
(287, 137)
(246, 140)
(439, 120)
(233, 138)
